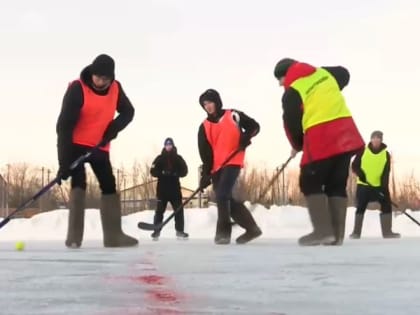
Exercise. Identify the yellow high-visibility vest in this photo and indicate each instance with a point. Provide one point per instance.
(373, 166)
(322, 98)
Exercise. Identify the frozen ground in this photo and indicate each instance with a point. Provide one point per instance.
(270, 276)
(367, 277)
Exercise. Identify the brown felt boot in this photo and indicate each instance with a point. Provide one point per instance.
(76, 220)
(323, 233)
(111, 223)
(338, 210)
(358, 223)
(386, 225)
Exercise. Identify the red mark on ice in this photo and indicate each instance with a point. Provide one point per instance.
(150, 279)
(163, 296)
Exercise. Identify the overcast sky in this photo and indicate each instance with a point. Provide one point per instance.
(168, 52)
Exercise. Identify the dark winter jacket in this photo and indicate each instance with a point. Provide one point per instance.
(72, 106)
(357, 162)
(168, 167)
(326, 139)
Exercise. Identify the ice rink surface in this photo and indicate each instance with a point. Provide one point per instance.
(269, 276)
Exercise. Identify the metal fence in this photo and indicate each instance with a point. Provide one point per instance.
(143, 197)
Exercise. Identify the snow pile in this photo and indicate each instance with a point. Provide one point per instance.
(278, 222)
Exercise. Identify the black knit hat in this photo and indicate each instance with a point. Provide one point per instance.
(377, 134)
(282, 66)
(103, 65)
(211, 96)
(168, 141)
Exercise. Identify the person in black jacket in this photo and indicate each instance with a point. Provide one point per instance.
(87, 118)
(168, 167)
(223, 133)
(372, 167)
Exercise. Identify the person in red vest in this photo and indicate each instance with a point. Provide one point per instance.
(318, 122)
(219, 136)
(86, 118)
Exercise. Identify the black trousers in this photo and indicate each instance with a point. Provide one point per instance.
(101, 166)
(366, 194)
(179, 216)
(327, 176)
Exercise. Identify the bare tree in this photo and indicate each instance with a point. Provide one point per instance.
(138, 188)
(23, 183)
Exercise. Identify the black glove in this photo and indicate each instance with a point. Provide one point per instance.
(168, 173)
(205, 181)
(384, 193)
(62, 175)
(65, 153)
(362, 176)
(111, 132)
(64, 171)
(245, 140)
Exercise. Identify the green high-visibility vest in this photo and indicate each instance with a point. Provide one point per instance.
(321, 97)
(373, 166)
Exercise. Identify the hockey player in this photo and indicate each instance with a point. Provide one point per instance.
(168, 167)
(372, 167)
(222, 133)
(318, 122)
(87, 118)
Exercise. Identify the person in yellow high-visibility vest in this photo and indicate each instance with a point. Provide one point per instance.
(372, 167)
(318, 122)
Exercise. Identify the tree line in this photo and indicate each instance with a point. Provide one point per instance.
(135, 183)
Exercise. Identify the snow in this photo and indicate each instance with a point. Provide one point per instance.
(279, 222)
(271, 275)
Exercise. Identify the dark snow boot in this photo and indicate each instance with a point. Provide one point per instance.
(323, 233)
(358, 223)
(223, 226)
(338, 210)
(155, 235)
(386, 225)
(241, 215)
(111, 223)
(249, 235)
(76, 221)
(182, 235)
(223, 232)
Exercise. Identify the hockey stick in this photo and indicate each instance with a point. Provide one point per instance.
(382, 196)
(410, 217)
(157, 227)
(43, 190)
(404, 212)
(268, 187)
(271, 182)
